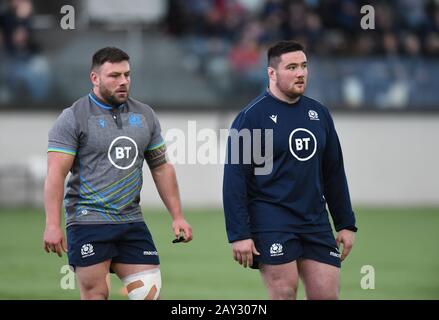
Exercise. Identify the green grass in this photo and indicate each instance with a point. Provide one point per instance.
(401, 245)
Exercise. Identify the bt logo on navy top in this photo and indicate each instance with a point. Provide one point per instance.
(303, 144)
(123, 152)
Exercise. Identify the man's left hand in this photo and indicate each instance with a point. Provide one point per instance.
(181, 226)
(347, 238)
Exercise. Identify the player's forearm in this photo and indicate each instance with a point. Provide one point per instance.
(166, 183)
(235, 203)
(53, 196)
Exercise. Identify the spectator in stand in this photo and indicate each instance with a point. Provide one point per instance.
(28, 69)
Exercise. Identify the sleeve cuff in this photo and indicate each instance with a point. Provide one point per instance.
(62, 150)
(352, 228)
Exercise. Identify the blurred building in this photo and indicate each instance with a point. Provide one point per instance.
(211, 53)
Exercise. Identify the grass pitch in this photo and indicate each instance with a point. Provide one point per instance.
(399, 243)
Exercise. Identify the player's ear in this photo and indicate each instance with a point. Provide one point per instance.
(94, 78)
(271, 73)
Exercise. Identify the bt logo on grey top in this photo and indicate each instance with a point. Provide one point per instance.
(123, 152)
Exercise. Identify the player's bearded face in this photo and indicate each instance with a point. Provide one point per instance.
(114, 82)
(292, 74)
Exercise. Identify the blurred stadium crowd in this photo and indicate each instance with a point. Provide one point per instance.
(231, 35)
(223, 42)
(22, 65)
(325, 27)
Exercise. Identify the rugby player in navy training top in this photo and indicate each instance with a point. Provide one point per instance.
(103, 140)
(276, 219)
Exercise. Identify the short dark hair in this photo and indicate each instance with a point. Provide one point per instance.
(110, 54)
(281, 47)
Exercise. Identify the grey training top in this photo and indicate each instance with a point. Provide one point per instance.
(109, 145)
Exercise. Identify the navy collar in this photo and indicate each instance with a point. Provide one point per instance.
(270, 94)
(102, 104)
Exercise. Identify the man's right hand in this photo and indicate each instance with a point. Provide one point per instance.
(243, 251)
(54, 240)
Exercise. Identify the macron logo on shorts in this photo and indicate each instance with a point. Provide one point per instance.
(87, 250)
(149, 253)
(276, 250)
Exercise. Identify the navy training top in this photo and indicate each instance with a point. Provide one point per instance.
(304, 172)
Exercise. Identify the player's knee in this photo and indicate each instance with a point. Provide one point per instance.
(320, 296)
(284, 293)
(91, 290)
(328, 294)
(279, 290)
(144, 285)
(94, 295)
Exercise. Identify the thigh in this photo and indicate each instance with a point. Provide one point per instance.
(321, 280)
(92, 280)
(281, 273)
(141, 281)
(281, 280)
(124, 270)
(319, 266)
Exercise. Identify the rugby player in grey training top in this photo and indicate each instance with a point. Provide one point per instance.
(102, 139)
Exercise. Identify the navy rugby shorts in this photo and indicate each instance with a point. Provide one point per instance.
(129, 243)
(283, 247)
